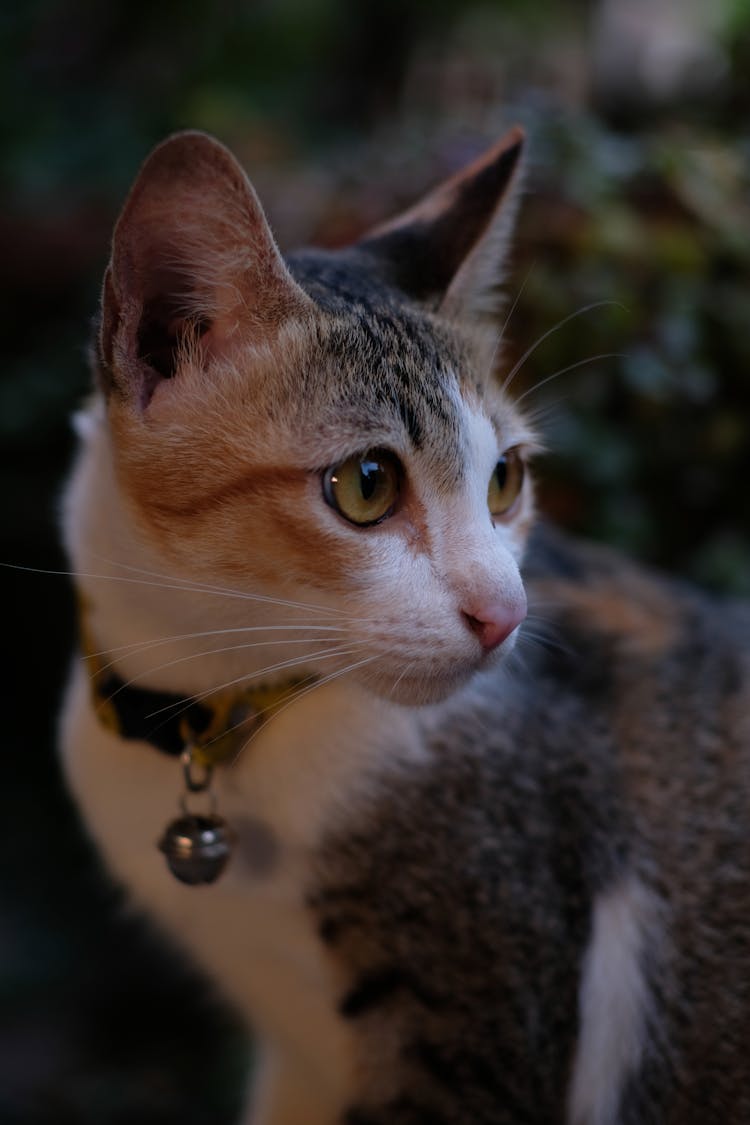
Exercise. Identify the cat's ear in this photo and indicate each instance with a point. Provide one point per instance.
(448, 250)
(195, 272)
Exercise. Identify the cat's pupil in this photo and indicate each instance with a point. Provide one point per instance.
(501, 473)
(368, 478)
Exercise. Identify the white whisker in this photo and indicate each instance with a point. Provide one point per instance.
(144, 646)
(302, 690)
(565, 370)
(299, 695)
(404, 671)
(506, 322)
(213, 652)
(178, 584)
(222, 591)
(550, 331)
(293, 662)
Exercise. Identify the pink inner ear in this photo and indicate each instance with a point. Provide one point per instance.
(172, 310)
(161, 333)
(181, 269)
(193, 263)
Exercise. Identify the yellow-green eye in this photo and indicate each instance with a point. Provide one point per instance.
(505, 483)
(364, 488)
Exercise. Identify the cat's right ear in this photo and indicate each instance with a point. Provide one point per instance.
(448, 250)
(195, 272)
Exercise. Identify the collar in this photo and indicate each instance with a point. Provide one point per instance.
(214, 727)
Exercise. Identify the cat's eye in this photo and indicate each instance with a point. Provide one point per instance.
(505, 483)
(364, 489)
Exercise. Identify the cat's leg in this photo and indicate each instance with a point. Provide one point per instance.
(284, 1093)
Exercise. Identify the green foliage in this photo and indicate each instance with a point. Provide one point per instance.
(651, 446)
(342, 112)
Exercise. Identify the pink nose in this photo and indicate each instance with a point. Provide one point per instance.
(492, 622)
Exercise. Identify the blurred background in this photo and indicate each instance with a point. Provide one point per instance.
(638, 201)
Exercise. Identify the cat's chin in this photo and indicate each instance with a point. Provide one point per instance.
(419, 691)
(435, 685)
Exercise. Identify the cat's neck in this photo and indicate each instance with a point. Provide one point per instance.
(157, 626)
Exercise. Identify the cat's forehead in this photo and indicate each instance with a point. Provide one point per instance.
(388, 363)
(368, 320)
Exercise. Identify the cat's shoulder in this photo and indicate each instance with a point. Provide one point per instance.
(656, 661)
(593, 587)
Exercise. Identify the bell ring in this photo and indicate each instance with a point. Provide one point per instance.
(197, 847)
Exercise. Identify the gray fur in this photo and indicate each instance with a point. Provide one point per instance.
(461, 905)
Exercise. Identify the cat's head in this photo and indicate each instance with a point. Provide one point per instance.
(326, 428)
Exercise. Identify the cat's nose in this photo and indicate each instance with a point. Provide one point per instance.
(492, 622)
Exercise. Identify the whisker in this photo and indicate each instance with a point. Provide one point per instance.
(544, 640)
(173, 585)
(267, 671)
(223, 591)
(130, 581)
(184, 585)
(299, 695)
(506, 322)
(404, 671)
(550, 331)
(539, 628)
(211, 652)
(144, 646)
(184, 705)
(565, 370)
(308, 685)
(543, 415)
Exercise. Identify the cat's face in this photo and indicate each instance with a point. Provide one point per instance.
(312, 432)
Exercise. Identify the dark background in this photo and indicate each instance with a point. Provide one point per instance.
(637, 196)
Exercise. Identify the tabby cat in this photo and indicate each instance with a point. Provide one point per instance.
(478, 874)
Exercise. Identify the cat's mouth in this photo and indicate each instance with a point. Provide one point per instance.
(415, 687)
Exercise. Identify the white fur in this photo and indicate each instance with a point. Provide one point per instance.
(400, 613)
(251, 932)
(419, 591)
(310, 768)
(614, 1004)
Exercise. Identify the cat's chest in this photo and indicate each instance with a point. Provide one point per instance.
(254, 929)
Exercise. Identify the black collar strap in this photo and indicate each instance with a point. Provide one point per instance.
(214, 727)
(165, 719)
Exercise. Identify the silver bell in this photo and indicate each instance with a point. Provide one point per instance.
(197, 847)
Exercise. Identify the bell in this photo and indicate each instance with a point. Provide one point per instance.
(197, 848)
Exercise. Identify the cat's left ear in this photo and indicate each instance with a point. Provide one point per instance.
(448, 250)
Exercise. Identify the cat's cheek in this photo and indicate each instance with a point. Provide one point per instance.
(416, 661)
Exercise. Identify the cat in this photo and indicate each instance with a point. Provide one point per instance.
(476, 875)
